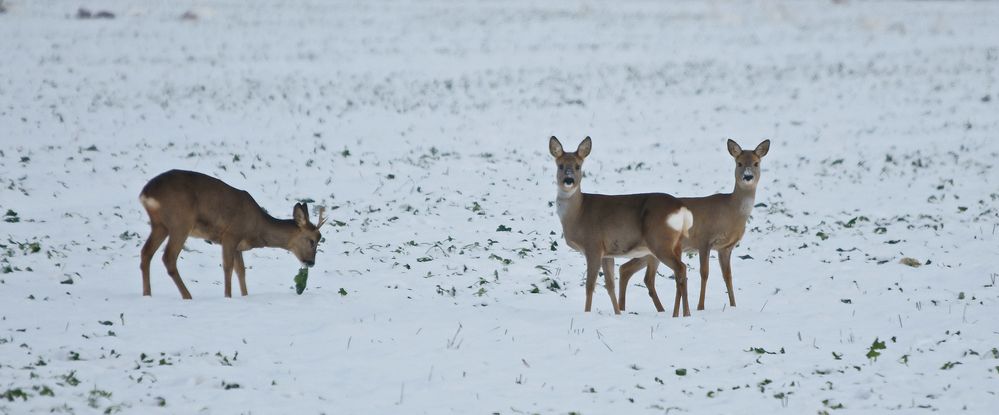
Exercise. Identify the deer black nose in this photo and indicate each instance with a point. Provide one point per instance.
(568, 181)
(309, 263)
(747, 177)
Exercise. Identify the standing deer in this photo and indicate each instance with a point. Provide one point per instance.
(186, 203)
(721, 222)
(603, 227)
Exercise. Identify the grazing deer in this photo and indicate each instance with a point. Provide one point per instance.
(604, 227)
(186, 203)
(721, 222)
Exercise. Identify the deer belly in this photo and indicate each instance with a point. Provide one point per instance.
(637, 252)
(206, 234)
(725, 241)
(573, 246)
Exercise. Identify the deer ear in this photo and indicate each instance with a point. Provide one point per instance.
(555, 147)
(763, 148)
(301, 214)
(584, 148)
(733, 148)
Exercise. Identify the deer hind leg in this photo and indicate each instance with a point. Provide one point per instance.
(608, 265)
(725, 260)
(156, 237)
(682, 272)
(629, 268)
(704, 254)
(679, 294)
(626, 270)
(670, 255)
(172, 252)
(241, 272)
(652, 265)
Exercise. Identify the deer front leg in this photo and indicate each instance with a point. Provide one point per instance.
(228, 260)
(704, 255)
(725, 260)
(608, 265)
(241, 272)
(592, 268)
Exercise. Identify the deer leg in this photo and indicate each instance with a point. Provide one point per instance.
(725, 260)
(170, 255)
(626, 270)
(679, 296)
(608, 265)
(592, 268)
(652, 264)
(241, 272)
(671, 257)
(704, 254)
(678, 252)
(156, 237)
(228, 258)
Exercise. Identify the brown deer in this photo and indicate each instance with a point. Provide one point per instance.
(721, 222)
(604, 227)
(186, 203)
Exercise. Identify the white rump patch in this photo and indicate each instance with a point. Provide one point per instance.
(149, 202)
(682, 220)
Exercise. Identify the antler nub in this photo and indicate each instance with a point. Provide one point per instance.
(322, 217)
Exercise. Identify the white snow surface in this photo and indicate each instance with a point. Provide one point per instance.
(425, 125)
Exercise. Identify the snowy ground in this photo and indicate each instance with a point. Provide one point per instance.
(426, 124)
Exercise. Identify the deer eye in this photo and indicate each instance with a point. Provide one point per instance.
(561, 166)
(757, 164)
(577, 167)
(312, 243)
(739, 164)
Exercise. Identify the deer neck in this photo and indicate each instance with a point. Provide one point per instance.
(569, 205)
(275, 233)
(743, 199)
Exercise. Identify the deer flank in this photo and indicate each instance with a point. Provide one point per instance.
(604, 227)
(181, 204)
(721, 222)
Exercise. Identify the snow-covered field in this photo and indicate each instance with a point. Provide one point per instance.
(425, 125)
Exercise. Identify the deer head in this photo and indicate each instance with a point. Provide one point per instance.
(570, 165)
(747, 163)
(305, 240)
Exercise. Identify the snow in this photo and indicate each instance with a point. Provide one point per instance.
(425, 124)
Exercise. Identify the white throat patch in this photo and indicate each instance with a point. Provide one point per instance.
(563, 194)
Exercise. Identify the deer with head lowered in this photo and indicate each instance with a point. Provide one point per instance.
(604, 227)
(721, 222)
(185, 203)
